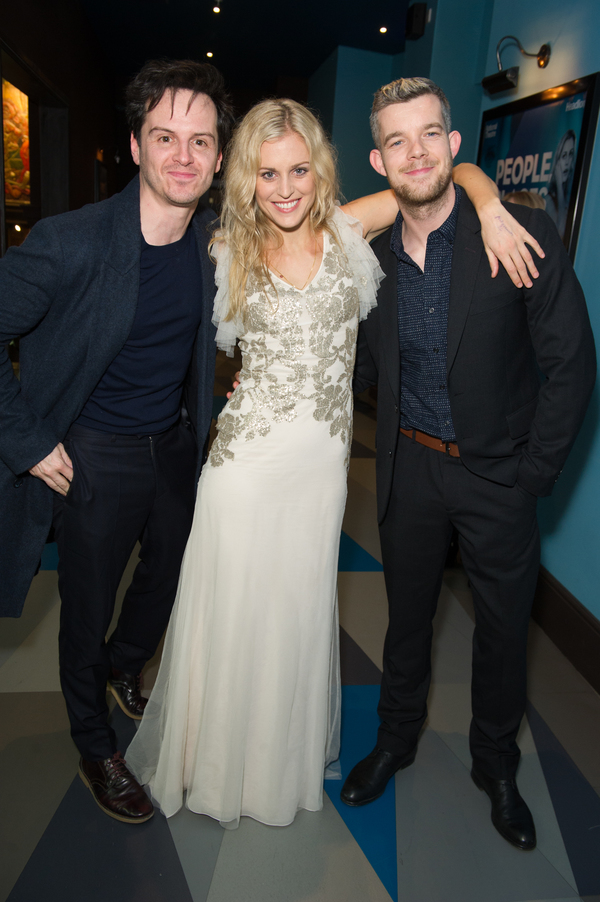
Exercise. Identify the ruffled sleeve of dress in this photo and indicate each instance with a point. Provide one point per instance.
(228, 331)
(365, 267)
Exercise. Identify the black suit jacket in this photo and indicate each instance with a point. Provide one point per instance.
(521, 363)
(71, 292)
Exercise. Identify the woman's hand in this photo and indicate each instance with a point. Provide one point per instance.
(236, 382)
(506, 241)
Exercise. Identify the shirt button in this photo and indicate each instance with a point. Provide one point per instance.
(432, 309)
(436, 350)
(442, 387)
(447, 423)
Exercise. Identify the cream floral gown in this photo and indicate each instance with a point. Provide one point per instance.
(245, 713)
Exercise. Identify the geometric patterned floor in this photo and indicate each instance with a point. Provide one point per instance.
(428, 839)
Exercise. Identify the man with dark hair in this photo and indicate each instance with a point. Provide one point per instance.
(467, 437)
(104, 435)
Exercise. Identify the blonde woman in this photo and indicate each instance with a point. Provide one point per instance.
(246, 709)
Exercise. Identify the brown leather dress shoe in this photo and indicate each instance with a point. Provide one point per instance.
(115, 789)
(126, 689)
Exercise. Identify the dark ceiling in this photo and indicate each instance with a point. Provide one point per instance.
(263, 49)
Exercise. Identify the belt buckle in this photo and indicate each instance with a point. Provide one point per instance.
(447, 444)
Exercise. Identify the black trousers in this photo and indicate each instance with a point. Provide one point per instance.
(499, 544)
(124, 488)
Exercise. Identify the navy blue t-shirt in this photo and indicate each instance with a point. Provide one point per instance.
(140, 392)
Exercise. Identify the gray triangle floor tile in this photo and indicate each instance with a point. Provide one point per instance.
(85, 855)
(448, 850)
(315, 859)
(197, 841)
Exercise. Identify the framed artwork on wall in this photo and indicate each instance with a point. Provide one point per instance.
(543, 144)
(15, 128)
(34, 178)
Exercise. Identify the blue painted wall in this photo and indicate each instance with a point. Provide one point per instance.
(354, 75)
(570, 518)
(453, 53)
(458, 64)
(321, 91)
(417, 56)
(458, 48)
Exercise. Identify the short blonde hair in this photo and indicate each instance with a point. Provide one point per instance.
(244, 227)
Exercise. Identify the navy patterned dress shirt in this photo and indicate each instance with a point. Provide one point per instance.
(423, 299)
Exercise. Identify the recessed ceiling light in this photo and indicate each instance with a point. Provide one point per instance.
(383, 29)
(17, 228)
(216, 9)
(210, 53)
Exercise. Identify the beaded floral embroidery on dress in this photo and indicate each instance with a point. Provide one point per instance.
(285, 363)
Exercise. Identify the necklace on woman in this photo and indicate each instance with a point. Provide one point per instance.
(297, 287)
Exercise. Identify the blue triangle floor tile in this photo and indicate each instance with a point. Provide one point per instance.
(353, 557)
(373, 826)
(49, 557)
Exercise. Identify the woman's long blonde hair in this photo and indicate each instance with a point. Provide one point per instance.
(244, 227)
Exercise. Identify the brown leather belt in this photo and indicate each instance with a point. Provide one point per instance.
(429, 441)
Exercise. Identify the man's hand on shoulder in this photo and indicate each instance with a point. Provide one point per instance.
(56, 470)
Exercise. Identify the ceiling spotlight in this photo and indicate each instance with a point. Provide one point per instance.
(210, 53)
(507, 79)
(17, 228)
(216, 9)
(383, 29)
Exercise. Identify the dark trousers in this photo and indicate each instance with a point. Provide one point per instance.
(124, 489)
(499, 544)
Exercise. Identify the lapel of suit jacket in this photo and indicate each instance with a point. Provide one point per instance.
(119, 288)
(466, 260)
(387, 302)
(125, 244)
(202, 222)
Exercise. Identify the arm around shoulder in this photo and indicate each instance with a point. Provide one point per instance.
(375, 212)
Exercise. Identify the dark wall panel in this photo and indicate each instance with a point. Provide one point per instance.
(56, 41)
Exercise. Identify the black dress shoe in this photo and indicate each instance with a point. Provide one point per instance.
(115, 789)
(367, 779)
(510, 815)
(126, 689)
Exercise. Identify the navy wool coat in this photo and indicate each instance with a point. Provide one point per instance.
(71, 292)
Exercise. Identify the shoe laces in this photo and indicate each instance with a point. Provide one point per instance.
(117, 766)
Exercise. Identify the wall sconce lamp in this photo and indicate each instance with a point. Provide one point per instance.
(508, 79)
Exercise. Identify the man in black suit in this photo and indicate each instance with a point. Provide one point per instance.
(482, 388)
(114, 303)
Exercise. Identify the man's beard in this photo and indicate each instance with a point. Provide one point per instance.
(421, 200)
